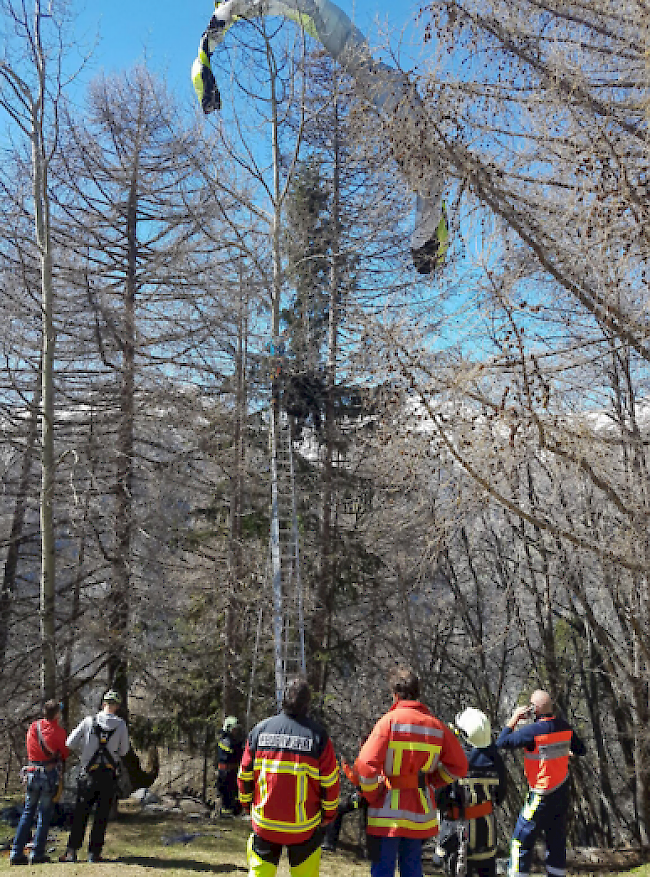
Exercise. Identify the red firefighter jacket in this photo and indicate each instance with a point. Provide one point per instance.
(289, 778)
(409, 754)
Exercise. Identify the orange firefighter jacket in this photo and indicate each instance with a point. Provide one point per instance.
(409, 754)
(547, 744)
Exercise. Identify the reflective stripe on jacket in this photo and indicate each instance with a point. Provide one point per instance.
(409, 754)
(289, 777)
(547, 744)
(229, 752)
(547, 766)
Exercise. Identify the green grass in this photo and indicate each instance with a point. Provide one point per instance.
(134, 842)
(134, 848)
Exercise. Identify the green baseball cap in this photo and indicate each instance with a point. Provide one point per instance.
(112, 696)
(230, 723)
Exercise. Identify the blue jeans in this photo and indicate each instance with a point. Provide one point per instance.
(405, 850)
(41, 788)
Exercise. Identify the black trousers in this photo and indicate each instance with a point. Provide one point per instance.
(346, 805)
(96, 789)
(485, 868)
(297, 853)
(227, 788)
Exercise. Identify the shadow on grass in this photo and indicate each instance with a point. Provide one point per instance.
(185, 864)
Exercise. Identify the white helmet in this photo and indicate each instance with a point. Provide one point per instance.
(475, 726)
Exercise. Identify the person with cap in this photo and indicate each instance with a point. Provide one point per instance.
(468, 838)
(547, 743)
(102, 740)
(289, 779)
(230, 748)
(46, 750)
(409, 754)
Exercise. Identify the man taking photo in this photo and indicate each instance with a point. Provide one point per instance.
(547, 743)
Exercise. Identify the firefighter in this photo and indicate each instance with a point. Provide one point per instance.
(468, 805)
(230, 748)
(547, 743)
(409, 754)
(289, 779)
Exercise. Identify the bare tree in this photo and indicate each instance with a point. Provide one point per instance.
(33, 103)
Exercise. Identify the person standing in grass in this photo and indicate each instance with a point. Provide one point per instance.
(46, 750)
(289, 780)
(102, 739)
(409, 754)
(230, 748)
(548, 741)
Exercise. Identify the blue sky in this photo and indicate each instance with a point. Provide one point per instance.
(167, 32)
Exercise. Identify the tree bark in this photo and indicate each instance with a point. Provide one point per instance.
(235, 555)
(18, 521)
(119, 609)
(44, 244)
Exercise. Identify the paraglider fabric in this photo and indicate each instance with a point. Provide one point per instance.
(387, 89)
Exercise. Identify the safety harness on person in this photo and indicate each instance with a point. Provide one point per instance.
(547, 765)
(102, 757)
(50, 761)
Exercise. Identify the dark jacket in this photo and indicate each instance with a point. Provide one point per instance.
(229, 752)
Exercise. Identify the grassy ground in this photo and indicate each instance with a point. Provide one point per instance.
(135, 840)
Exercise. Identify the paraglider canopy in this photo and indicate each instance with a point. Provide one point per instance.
(390, 91)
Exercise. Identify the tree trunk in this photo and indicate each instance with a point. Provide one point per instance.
(119, 594)
(321, 624)
(235, 558)
(18, 521)
(44, 243)
(276, 365)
